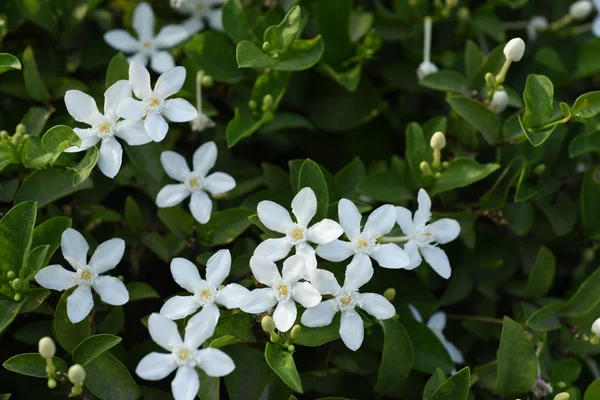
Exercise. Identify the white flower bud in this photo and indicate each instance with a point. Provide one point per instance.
(438, 141)
(267, 324)
(536, 24)
(46, 347)
(426, 68)
(296, 329)
(76, 374)
(499, 101)
(562, 396)
(580, 10)
(514, 49)
(596, 327)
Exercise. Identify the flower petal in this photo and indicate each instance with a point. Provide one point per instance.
(352, 330)
(306, 294)
(170, 35)
(55, 277)
(380, 222)
(122, 40)
(349, 218)
(324, 281)
(324, 231)
(186, 384)
(156, 126)
(320, 315)
(437, 321)
(273, 249)
(335, 251)
(596, 24)
(111, 157)
(219, 182)
(179, 110)
(82, 107)
(161, 61)
(215, 19)
(74, 248)
(201, 326)
(304, 206)
(215, 362)
(285, 315)
(293, 269)
(89, 137)
(455, 354)
(264, 270)
(310, 257)
(438, 260)
(411, 248)
(143, 22)
(80, 303)
(233, 296)
(205, 158)
(415, 313)
(131, 109)
(155, 366)
(185, 274)
(175, 165)
(377, 305)
(107, 255)
(171, 195)
(259, 300)
(444, 230)
(404, 220)
(201, 206)
(114, 95)
(111, 290)
(164, 332)
(169, 83)
(132, 132)
(218, 267)
(357, 274)
(178, 307)
(140, 58)
(139, 78)
(390, 255)
(193, 24)
(423, 214)
(274, 216)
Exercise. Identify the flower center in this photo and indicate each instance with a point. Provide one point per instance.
(184, 354)
(147, 47)
(362, 244)
(86, 276)
(283, 292)
(104, 128)
(206, 294)
(194, 183)
(347, 300)
(153, 102)
(154, 105)
(425, 237)
(298, 235)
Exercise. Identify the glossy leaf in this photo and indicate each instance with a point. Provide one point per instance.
(282, 363)
(396, 360)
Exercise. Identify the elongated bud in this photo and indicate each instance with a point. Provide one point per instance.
(425, 168)
(21, 129)
(451, 3)
(499, 101)
(274, 337)
(46, 347)
(390, 294)
(76, 374)
(296, 329)
(514, 50)
(16, 284)
(426, 68)
(539, 169)
(489, 80)
(562, 396)
(267, 103)
(252, 105)
(438, 141)
(580, 10)
(267, 324)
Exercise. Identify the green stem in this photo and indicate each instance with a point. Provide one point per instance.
(394, 239)
(551, 124)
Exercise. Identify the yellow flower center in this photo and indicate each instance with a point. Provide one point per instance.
(362, 244)
(86, 276)
(205, 294)
(153, 102)
(346, 300)
(194, 182)
(427, 234)
(104, 127)
(297, 235)
(283, 290)
(184, 354)
(147, 46)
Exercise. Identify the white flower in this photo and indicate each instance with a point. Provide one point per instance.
(282, 291)
(426, 67)
(185, 355)
(297, 234)
(148, 46)
(87, 276)
(437, 324)
(105, 127)
(346, 299)
(424, 238)
(499, 101)
(536, 24)
(596, 22)
(194, 183)
(514, 49)
(596, 327)
(364, 244)
(580, 10)
(154, 105)
(200, 10)
(206, 293)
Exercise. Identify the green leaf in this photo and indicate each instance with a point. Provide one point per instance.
(314, 337)
(429, 352)
(496, 196)
(8, 62)
(542, 274)
(69, 335)
(586, 297)
(224, 226)
(386, 186)
(593, 391)
(333, 20)
(416, 150)
(146, 159)
(180, 222)
(560, 211)
(209, 386)
(85, 167)
(47, 185)
(57, 139)
(34, 299)
(93, 347)
(32, 364)
(478, 115)
(348, 79)
(107, 378)
(311, 176)
(40, 12)
(584, 143)
(33, 80)
(519, 216)
(536, 136)
(396, 360)
(587, 105)
(302, 55)
(566, 370)
(590, 193)
(8, 312)
(235, 22)
(517, 362)
(539, 110)
(251, 374)
(546, 318)
(280, 37)
(473, 59)
(348, 178)
(118, 69)
(446, 81)
(436, 380)
(460, 173)
(133, 215)
(35, 120)
(113, 322)
(282, 363)
(16, 230)
(455, 388)
(49, 232)
(141, 291)
(213, 53)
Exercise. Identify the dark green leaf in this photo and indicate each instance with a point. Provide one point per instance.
(107, 378)
(587, 105)
(590, 193)
(47, 185)
(311, 176)
(542, 274)
(49, 232)
(8, 62)
(586, 297)
(478, 115)
(462, 172)
(446, 81)
(118, 69)
(455, 388)
(86, 165)
(32, 364)
(546, 318)
(141, 291)
(69, 335)
(224, 226)
(397, 358)
(282, 363)
(213, 53)
(93, 347)
(33, 81)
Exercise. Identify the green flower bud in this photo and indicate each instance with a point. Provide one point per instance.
(267, 103)
(16, 284)
(445, 164)
(252, 105)
(296, 329)
(207, 80)
(267, 324)
(17, 297)
(46, 347)
(274, 337)
(562, 396)
(51, 383)
(539, 169)
(76, 374)
(266, 46)
(425, 168)
(21, 129)
(291, 348)
(11, 275)
(437, 175)
(463, 14)
(390, 294)
(490, 81)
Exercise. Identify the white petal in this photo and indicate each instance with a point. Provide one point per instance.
(596, 25)
(294, 268)
(193, 24)
(390, 255)
(114, 95)
(132, 132)
(411, 248)
(273, 249)
(455, 354)
(437, 321)
(335, 251)
(285, 315)
(352, 331)
(349, 218)
(380, 222)
(89, 137)
(423, 214)
(415, 313)
(219, 182)
(171, 195)
(111, 290)
(306, 294)
(156, 126)
(121, 40)
(304, 206)
(201, 326)
(264, 270)
(438, 260)
(259, 300)
(320, 315)
(324, 231)
(139, 78)
(233, 296)
(404, 219)
(164, 332)
(80, 303)
(205, 158)
(218, 267)
(179, 110)
(175, 165)
(74, 248)
(161, 61)
(131, 109)
(185, 274)
(444, 230)
(155, 366)
(107, 255)
(377, 305)
(201, 206)
(186, 384)
(324, 281)
(111, 157)
(274, 216)
(362, 260)
(81, 106)
(140, 58)
(310, 257)
(170, 82)
(357, 274)
(215, 19)
(55, 277)
(143, 22)
(170, 35)
(178, 307)
(215, 362)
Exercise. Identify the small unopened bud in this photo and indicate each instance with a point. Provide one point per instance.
(426, 68)
(390, 294)
(561, 385)
(296, 329)
(539, 169)
(499, 101)
(267, 103)
(437, 175)
(51, 383)
(267, 324)
(445, 164)
(252, 105)
(438, 141)
(11, 275)
(425, 168)
(21, 129)
(451, 3)
(291, 348)
(596, 327)
(207, 80)
(580, 10)
(46, 347)
(266, 46)
(274, 337)
(489, 80)
(17, 297)
(463, 14)
(76, 374)
(562, 396)
(514, 50)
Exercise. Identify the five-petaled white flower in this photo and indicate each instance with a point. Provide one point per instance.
(346, 299)
(297, 234)
(364, 244)
(105, 127)
(194, 182)
(206, 293)
(185, 355)
(199, 11)
(154, 105)
(424, 238)
(148, 46)
(284, 290)
(87, 276)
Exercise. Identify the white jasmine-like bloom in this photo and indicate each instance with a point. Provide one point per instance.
(514, 49)
(206, 293)
(499, 101)
(426, 67)
(364, 244)
(185, 355)
(105, 127)
(297, 234)
(581, 9)
(437, 324)
(87, 276)
(283, 290)
(154, 105)
(346, 299)
(148, 46)
(194, 183)
(536, 24)
(424, 237)
(199, 11)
